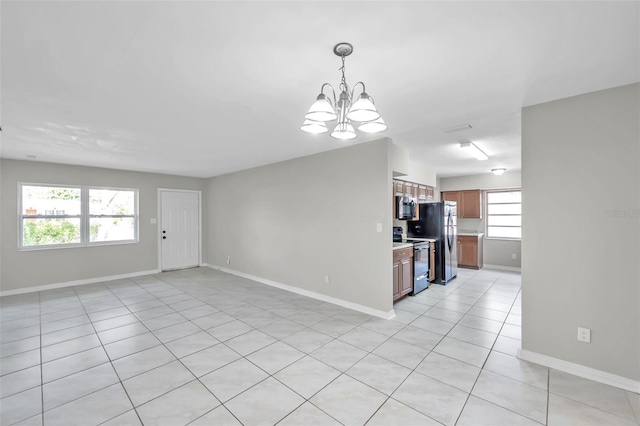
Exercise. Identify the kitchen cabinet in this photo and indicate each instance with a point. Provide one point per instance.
(403, 189)
(411, 189)
(402, 272)
(430, 191)
(470, 249)
(469, 202)
(422, 193)
(398, 187)
(425, 193)
(452, 196)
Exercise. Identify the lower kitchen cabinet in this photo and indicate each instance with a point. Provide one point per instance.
(470, 249)
(402, 272)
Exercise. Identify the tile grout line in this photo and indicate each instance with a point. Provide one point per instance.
(482, 369)
(110, 362)
(355, 326)
(41, 363)
(199, 381)
(293, 362)
(490, 349)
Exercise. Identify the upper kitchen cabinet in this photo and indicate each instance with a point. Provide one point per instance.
(469, 202)
(453, 196)
(398, 187)
(422, 193)
(425, 193)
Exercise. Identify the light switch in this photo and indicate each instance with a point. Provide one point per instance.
(378, 227)
(154, 220)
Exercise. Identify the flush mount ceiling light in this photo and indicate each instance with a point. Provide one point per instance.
(473, 150)
(499, 171)
(344, 108)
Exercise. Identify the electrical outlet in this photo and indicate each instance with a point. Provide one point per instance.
(584, 335)
(327, 279)
(228, 260)
(513, 256)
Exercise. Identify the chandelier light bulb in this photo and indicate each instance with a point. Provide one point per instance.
(344, 131)
(375, 126)
(314, 127)
(363, 109)
(321, 110)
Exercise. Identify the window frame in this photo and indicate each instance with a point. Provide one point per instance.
(487, 215)
(84, 216)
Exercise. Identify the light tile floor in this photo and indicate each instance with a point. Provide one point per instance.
(202, 347)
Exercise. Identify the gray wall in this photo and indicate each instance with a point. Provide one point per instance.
(23, 269)
(581, 245)
(496, 252)
(296, 221)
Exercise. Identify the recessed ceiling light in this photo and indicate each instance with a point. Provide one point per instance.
(473, 150)
(499, 171)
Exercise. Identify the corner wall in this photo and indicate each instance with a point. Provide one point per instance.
(22, 270)
(581, 245)
(297, 221)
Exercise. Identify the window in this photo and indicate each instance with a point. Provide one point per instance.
(68, 216)
(504, 218)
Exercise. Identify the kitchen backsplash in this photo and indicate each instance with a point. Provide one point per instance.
(470, 225)
(401, 223)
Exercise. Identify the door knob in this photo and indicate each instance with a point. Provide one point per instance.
(164, 238)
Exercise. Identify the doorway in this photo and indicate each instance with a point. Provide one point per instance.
(179, 228)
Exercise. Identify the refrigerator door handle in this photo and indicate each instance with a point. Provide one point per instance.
(449, 232)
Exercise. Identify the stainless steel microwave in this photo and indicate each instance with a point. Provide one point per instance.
(405, 207)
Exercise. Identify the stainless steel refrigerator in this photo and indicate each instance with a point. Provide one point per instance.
(439, 221)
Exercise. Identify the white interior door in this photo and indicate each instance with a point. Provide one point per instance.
(179, 229)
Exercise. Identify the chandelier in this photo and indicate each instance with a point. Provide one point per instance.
(344, 109)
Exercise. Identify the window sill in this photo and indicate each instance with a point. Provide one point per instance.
(75, 246)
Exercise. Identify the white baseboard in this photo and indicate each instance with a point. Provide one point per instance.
(308, 293)
(75, 283)
(581, 371)
(502, 268)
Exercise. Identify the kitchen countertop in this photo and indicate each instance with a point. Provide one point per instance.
(471, 234)
(399, 246)
(430, 240)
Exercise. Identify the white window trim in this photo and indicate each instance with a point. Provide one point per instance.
(486, 206)
(84, 217)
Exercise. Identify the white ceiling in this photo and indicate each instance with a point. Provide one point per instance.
(206, 88)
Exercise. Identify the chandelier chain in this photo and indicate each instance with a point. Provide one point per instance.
(343, 84)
